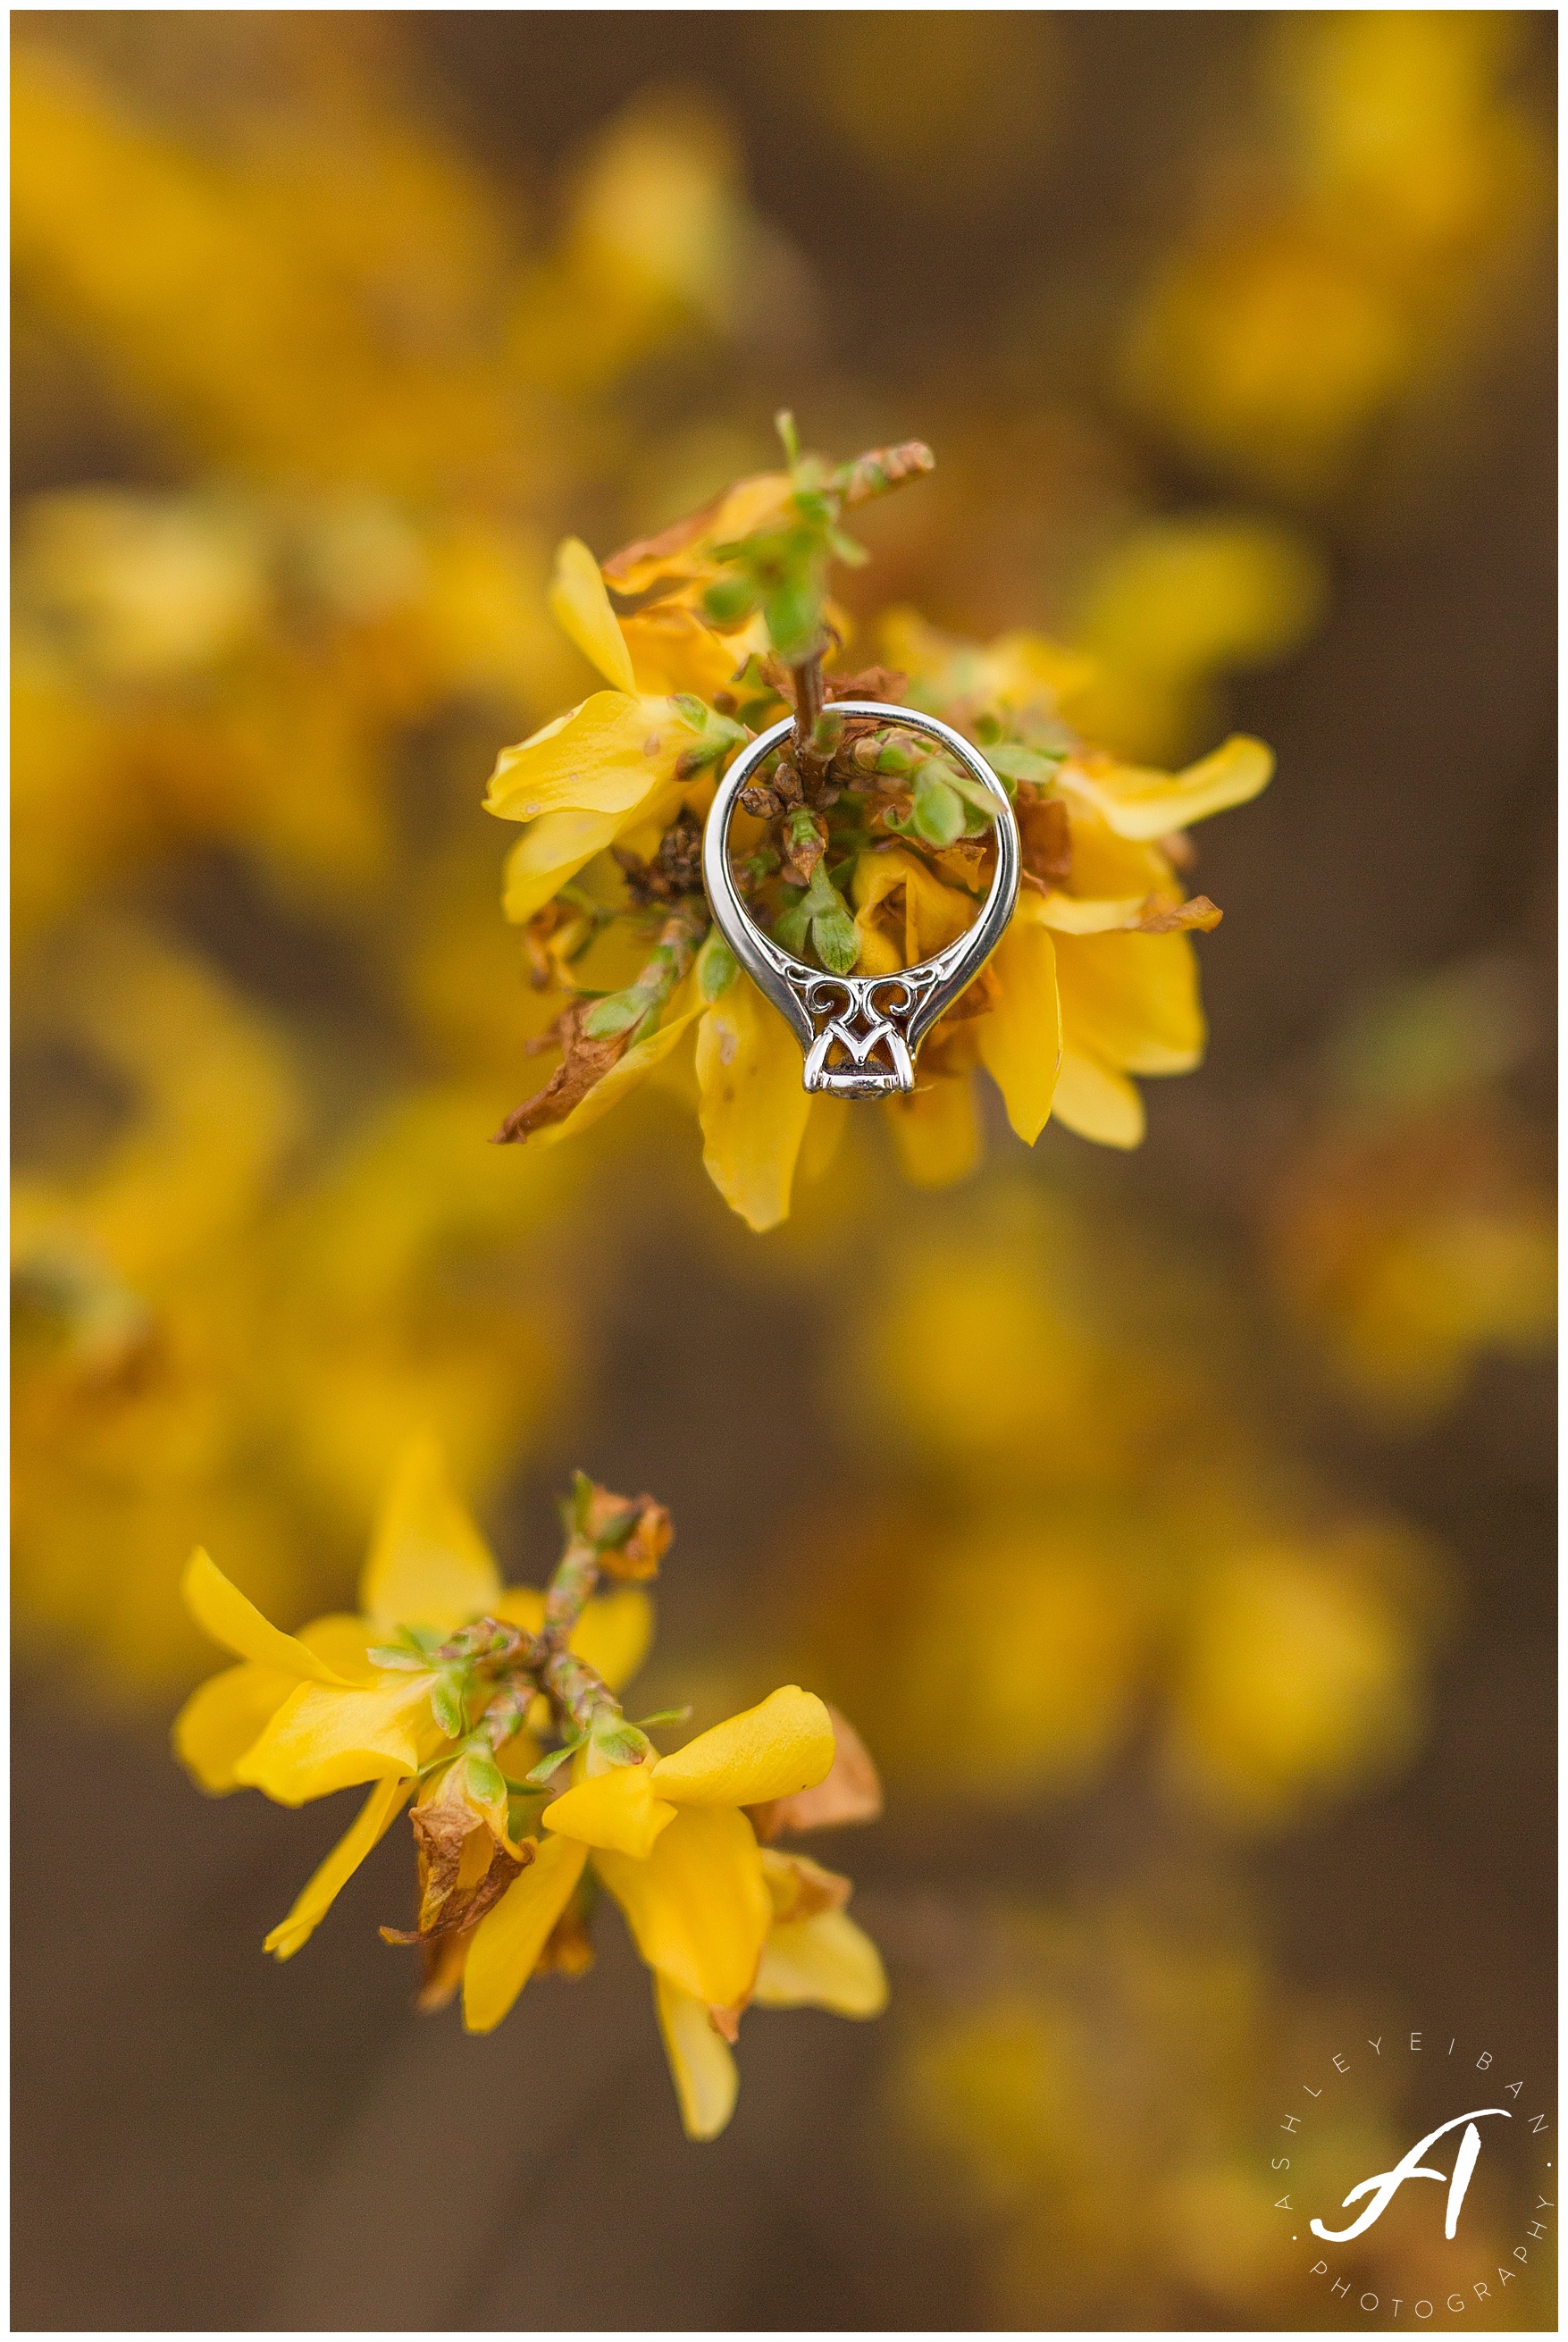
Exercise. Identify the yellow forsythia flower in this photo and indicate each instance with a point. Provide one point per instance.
(304, 1714)
(351, 1700)
(1094, 982)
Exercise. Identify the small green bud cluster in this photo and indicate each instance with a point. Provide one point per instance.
(718, 736)
(782, 570)
(634, 1010)
(819, 913)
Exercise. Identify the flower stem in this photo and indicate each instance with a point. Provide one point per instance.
(808, 697)
(576, 1576)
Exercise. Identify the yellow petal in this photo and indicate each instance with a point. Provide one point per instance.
(508, 1940)
(522, 1606)
(754, 1104)
(223, 1716)
(221, 1611)
(1130, 1001)
(672, 650)
(784, 1743)
(551, 851)
(681, 550)
(823, 1962)
(606, 757)
(1096, 1103)
(428, 1565)
(1020, 1037)
(1139, 803)
(617, 1809)
(1095, 915)
(1106, 867)
(1027, 667)
(936, 1130)
(701, 2065)
(698, 1905)
(343, 1640)
(581, 608)
(323, 1739)
(614, 1633)
(1019, 670)
(933, 915)
(554, 848)
(623, 1075)
(375, 1817)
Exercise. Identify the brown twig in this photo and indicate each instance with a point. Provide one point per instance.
(808, 703)
(614, 1535)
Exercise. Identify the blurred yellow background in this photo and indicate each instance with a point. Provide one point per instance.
(1176, 1526)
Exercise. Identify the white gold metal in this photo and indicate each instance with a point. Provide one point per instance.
(879, 1021)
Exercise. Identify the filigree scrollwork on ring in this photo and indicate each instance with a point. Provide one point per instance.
(866, 1018)
(875, 1023)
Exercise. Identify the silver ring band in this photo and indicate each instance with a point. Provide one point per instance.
(878, 1021)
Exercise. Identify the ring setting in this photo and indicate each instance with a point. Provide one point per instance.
(860, 1035)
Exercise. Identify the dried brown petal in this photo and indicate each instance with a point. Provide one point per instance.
(873, 474)
(465, 1863)
(1045, 835)
(805, 842)
(568, 1949)
(446, 1957)
(801, 1888)
(671, 540)
(638, 1555)
(968, 862)
(583, 1063)
(884, 683)
(1161, 915)
(851, 1791)
(548, 939)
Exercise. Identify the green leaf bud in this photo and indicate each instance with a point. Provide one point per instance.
(716, 965)
(938, 810)
(826, 733)
(447, 1702)
(485, 1780)
(616, 1742)
(729, 600)
(790, 926)
(894, 757)
(793, 610)
(837, 941)
(617, 1013)
(1013, 760)
(548, 1766)
(976, 797)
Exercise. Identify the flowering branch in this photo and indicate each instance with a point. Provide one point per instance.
(509, 1870)
(781, 569)
(865, 848)
(510, 1668)
(595, 1034)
